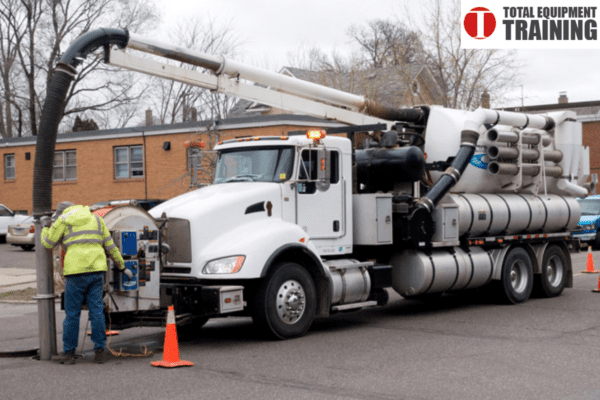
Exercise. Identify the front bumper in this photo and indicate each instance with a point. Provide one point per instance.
(584, 237)
(20, 240)
(202, 300)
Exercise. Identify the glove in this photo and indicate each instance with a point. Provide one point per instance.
(128, 273)
(45, 221)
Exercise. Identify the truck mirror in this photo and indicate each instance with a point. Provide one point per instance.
(323, 170)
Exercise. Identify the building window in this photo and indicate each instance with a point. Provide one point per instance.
(65, 166)
(415, 88)
(9, 166)
(129, 162)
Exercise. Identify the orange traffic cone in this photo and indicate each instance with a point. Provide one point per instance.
(590, 263)
(171, 348)
(597, 290)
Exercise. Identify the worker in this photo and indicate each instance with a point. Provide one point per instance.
(87, 241)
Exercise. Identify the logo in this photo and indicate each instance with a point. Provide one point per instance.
(477, 161)
(480, 23)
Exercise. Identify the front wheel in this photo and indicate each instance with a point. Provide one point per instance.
(285, 302)
(27, 247)
(517, 276)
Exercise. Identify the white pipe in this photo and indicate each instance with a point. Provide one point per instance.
(571, 188)
(484, 116)
(221, 65)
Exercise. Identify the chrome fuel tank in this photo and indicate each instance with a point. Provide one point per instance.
(415, 272)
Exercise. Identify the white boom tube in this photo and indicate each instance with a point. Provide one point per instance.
(221, 65)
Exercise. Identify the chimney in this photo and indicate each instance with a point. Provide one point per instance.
(563, 99)
(194, 114)
(148, 117)
(485, 99)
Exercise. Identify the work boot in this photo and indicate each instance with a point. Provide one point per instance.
(100, 357)
(64, 358)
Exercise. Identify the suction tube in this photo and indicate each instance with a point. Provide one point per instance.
(53, 109)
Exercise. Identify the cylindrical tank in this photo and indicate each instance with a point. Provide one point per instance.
(378, 169)
(500, 214)
(351, 282)
(415, 272)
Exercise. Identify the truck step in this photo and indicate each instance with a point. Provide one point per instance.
(351, 306)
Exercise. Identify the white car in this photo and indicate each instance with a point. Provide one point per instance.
(7, 217)
(22, 234)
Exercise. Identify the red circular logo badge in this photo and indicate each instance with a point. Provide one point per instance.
(480, 23)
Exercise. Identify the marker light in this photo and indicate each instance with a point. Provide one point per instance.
(315, 135)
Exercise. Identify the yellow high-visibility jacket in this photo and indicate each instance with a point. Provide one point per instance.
(86, 240)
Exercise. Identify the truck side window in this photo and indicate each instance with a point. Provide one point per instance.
(308, 170)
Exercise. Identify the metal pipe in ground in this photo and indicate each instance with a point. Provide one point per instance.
(45, 296)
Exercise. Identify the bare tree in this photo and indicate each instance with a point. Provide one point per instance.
(172, 98)
(33, 33)
(385, 43)
(463, 74)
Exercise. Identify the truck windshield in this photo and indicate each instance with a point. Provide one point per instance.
(272, 164)
(590, 207)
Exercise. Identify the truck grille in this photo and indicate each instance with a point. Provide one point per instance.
(178, 238)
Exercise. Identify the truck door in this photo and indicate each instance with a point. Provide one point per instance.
(320, 212)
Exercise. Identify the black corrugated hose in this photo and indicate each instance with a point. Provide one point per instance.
(52, 112)
(453, 173)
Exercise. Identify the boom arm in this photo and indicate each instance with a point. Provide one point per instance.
(282, 91)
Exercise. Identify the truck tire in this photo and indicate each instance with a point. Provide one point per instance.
(516, 280)
(27, 247)
(285, 302)
(553, 278)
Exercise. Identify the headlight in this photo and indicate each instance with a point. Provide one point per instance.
(227, 265)
(588, 227)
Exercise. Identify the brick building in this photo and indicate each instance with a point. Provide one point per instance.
(149, 162)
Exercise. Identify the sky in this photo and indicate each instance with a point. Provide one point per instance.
(270, 30)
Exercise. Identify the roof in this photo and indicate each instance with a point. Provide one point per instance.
(384, 85)
(191, 127)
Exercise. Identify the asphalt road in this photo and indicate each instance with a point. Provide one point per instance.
(15, 257)
(459, 347)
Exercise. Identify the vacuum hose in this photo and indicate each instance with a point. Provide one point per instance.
(452, 173)
(53, 109)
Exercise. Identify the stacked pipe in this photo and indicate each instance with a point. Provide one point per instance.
(529, 156)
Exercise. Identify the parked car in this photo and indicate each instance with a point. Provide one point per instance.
(22, 234)
(589, 222)
(7, 217)
(145, 204)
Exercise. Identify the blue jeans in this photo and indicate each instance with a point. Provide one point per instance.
(78, 287)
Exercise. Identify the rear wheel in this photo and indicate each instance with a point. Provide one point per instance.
(516, 282)
(285, 303)
(553, 277)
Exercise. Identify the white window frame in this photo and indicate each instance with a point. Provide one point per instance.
(7, 169)
(64, 166)
(128, 162)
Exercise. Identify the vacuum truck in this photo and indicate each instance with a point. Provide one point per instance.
(313, 223)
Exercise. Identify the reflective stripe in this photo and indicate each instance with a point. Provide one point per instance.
(99, 224)
(111, 247)
(91, 241)
(50, 242)
(73, 234)
(107, 239)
